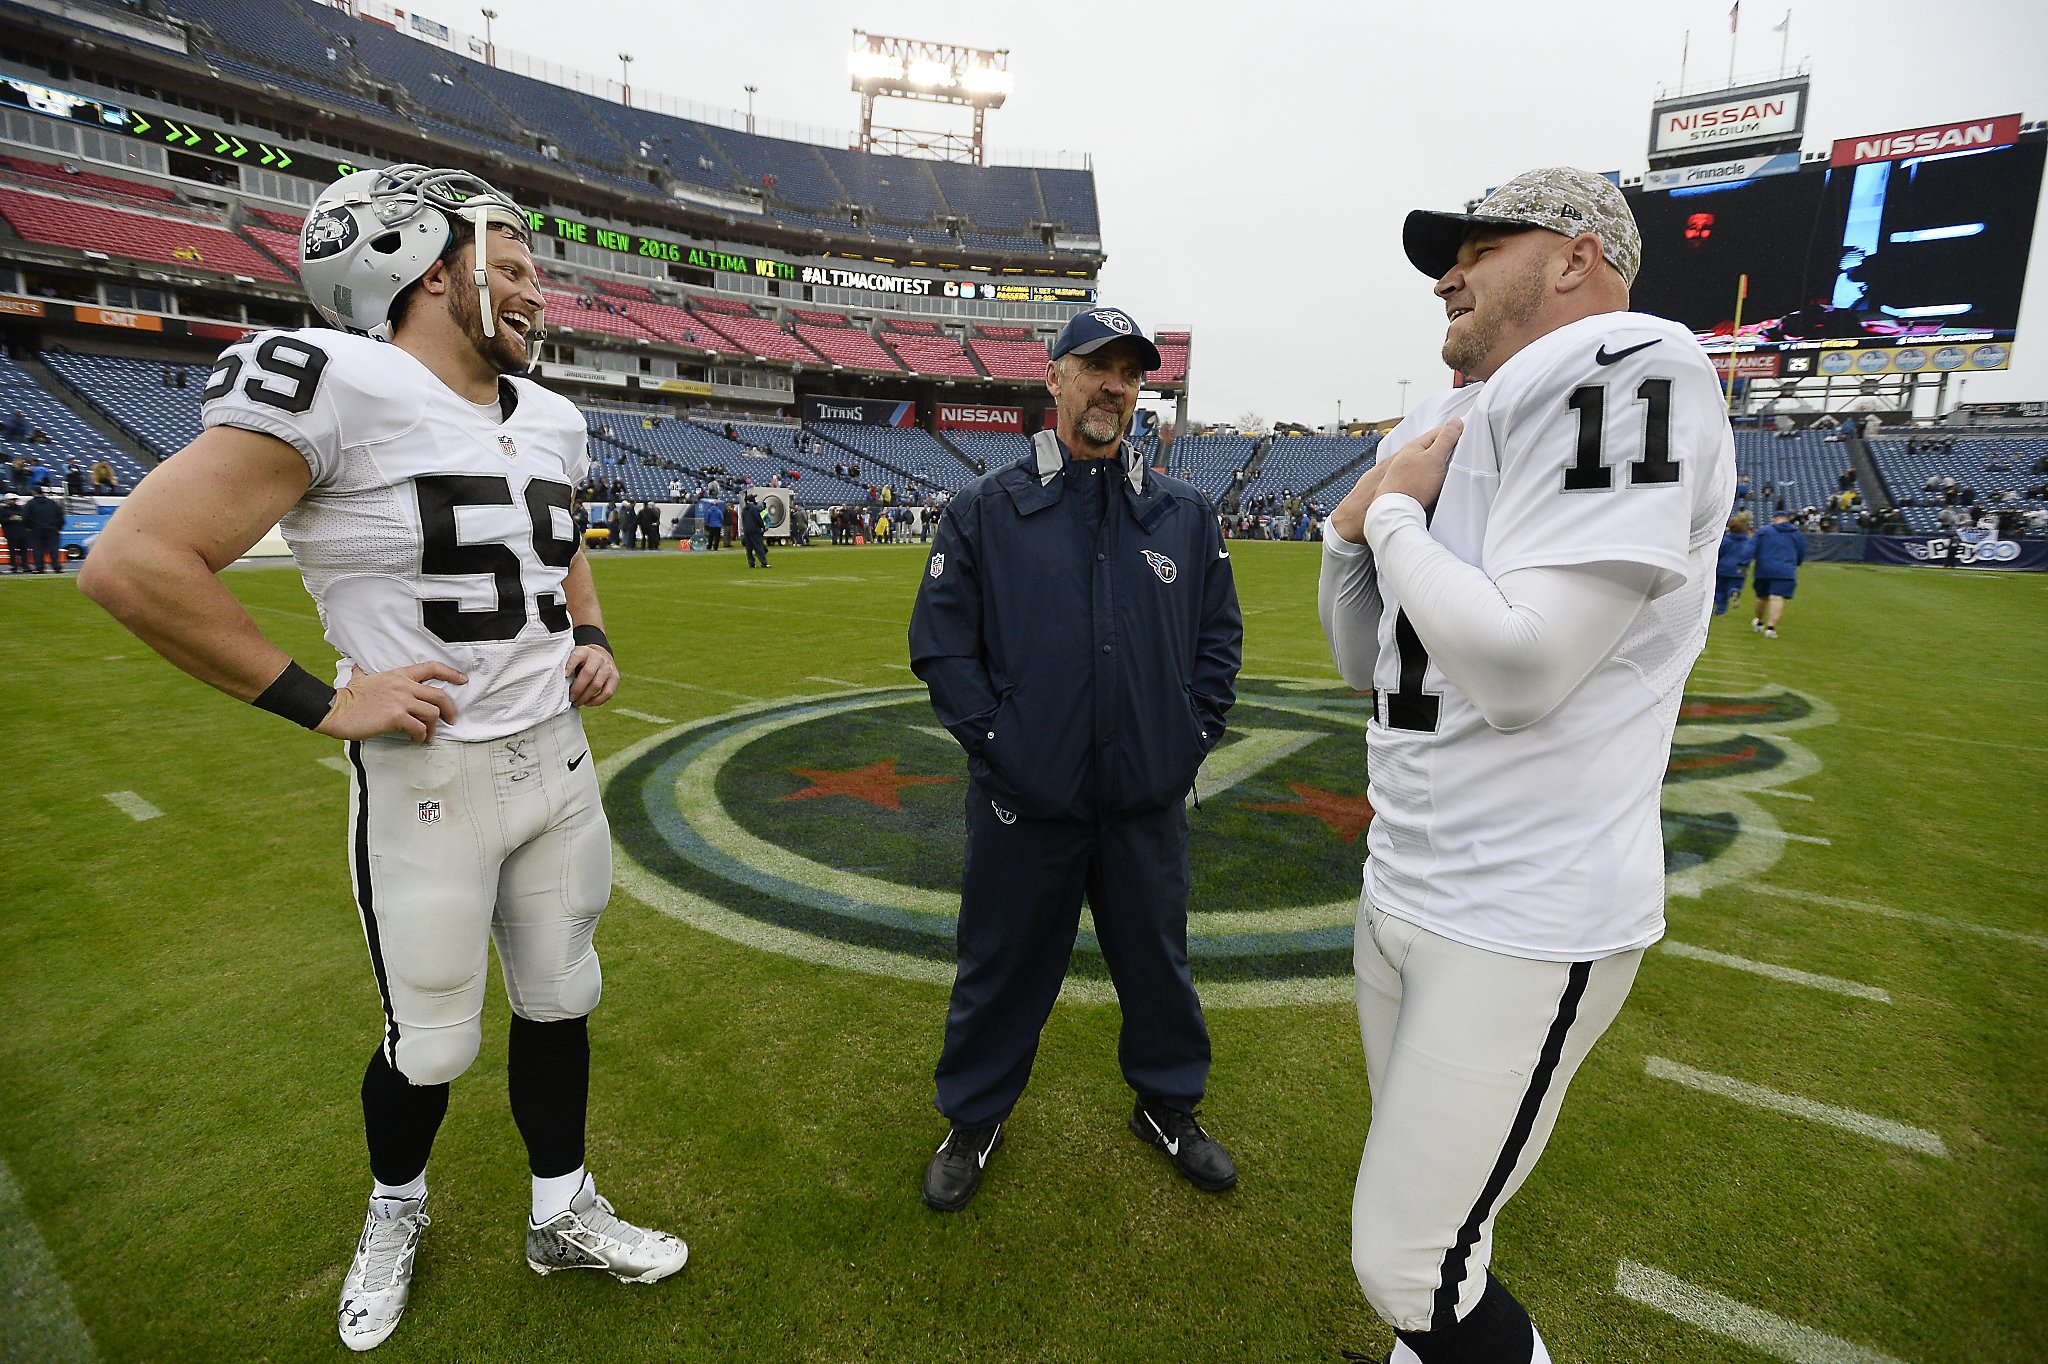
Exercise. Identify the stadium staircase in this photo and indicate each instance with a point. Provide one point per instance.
(86, 411)
(1869, 478)
(958, 453)
(864, 458)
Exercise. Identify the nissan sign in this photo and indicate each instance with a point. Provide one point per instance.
(956, 417)
(1981, 135)
(1761, 114)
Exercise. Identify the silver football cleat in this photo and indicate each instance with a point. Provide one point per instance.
(591, 1236)
(374, 1293)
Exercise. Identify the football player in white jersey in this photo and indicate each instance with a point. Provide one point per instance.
(424, 488)
(1524, 586)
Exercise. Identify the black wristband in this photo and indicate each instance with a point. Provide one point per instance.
(591, 634)
(298, 696)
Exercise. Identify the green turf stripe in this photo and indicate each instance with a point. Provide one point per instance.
(37, 1320)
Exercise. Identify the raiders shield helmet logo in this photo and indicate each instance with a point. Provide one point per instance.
(328, 233)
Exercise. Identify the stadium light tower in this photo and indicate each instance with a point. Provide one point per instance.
(933, 73)
(626, 79)
(490, 52)
(751, 90)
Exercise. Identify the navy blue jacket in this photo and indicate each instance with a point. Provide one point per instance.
(1780, 549)
(1086, 671)
(1737, 549)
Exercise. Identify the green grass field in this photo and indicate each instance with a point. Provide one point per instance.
(190, 1007)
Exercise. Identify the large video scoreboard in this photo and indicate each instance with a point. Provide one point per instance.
(1881, 263)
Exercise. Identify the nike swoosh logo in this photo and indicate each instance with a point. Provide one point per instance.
(1172, 1147)
(1604, 357)
(573, 762)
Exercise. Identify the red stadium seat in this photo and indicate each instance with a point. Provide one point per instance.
(565, 311)
(758, 336)
(167, 241)
(44, 170)
(1010, 359)
(932, 354)
(847, 346)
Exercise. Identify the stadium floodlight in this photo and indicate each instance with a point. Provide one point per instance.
(869, 65)
(932, 72)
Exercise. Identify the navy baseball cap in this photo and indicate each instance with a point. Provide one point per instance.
(1088, 332)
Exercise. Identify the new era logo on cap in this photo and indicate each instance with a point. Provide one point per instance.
(1088, 332)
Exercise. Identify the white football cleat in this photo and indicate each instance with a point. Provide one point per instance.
(379, 1281)
(589, 1235)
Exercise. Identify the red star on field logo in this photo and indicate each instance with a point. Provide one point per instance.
(1344, 816)
(877, 783)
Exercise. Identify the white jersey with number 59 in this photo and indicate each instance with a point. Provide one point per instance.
(1605, 441)
(435, 528)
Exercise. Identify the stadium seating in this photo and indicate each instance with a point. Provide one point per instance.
(1968, 463)
(904, 456)
(1173, 356)
(66, 176)
(1301, 464)
(70, 438)
(755, 336)
(818, 318)
(133, 394)
(284, 246)
(168, 241)
(898, 187)
(790, 172)
(1010, 359)
(993, 448)
(992, 196)
(847, 346)
(668, 322)
(904, 324)
(283, 222)
(1209, 461)
(566, 312)
(623, 289)
(995, 333)
(930, 353)
(1070, 199)
(702, 303)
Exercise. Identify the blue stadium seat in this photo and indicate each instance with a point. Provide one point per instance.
(70, 437)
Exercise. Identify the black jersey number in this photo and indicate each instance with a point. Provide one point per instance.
(1587, 473)
(297, 364)
(1409, 706)
(443, 553)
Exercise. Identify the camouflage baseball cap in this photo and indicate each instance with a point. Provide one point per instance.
(1558, 198)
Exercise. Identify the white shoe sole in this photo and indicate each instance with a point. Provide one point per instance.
(654, 1275)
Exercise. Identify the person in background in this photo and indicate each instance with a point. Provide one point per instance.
(1738, 547)
(44, 517)
(753, 533)
(650, 525)
(1780, 549)
(14, 523)
(103, 479)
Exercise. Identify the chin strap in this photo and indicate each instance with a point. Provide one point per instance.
(480, 217)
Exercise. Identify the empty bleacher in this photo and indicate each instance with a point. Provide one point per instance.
(847, 346)
(929, 352)
(69, 437)
(1010, 359)
(139, 236)
(142, 397)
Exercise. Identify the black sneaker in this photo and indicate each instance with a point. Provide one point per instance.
(1194, 1152)
(955, 1172)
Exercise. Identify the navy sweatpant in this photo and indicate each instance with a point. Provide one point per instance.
(1020, 909)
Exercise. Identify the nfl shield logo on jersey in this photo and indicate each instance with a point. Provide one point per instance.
(511, 451)
(430, 812)
(1162, 566)
(938, 563)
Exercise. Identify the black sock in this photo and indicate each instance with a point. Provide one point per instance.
(548, 1077)
(399, 1121)
(1495, 1331)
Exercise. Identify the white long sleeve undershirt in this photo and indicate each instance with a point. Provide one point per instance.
(1515, 648)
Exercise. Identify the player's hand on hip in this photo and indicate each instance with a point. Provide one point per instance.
(398, 701)
(1418, 468)
(593, 675)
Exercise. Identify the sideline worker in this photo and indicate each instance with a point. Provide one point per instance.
(1078, 627)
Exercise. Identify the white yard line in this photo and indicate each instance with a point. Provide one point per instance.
(1788, 974)
(1781, 795)
(133, 806)
(835, 681)
(899, 667)
(1909, 916)
(1926, 738)
(40, 1321)
(1738, 1321)
(339, 764)
(642, 716)
(1757, 1096)
(689, 686)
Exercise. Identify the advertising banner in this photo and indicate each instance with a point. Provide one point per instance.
(1980, 135)
(961, 417)
(21, 307)
(1729, 118)
(2031, 555)
(860, 411)
(111, 317)
(1750, 365)
(1722, 172)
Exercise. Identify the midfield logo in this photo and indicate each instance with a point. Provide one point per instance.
(831, 829)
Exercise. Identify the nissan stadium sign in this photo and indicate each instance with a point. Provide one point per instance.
(1753, 116)
(1940, 140)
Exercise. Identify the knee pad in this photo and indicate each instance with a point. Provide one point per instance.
(574, 996)
(435, 1056)
(1401, 1297)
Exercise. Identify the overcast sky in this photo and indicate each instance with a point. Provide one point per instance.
(1254, 161)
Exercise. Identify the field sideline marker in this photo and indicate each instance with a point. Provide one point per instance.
(1757, 1096)
(1910, 916)
(1790, 975)
(835, 681)
(41, 1321)
(338, 763)
(133, 806)
(642, 715)
(1738, 1321)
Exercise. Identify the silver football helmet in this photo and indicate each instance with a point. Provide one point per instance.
(373, 232)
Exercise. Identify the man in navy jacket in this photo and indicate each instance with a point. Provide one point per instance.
(1780, 549)
(1078, 627)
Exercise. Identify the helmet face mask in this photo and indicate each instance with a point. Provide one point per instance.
(372, 234)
